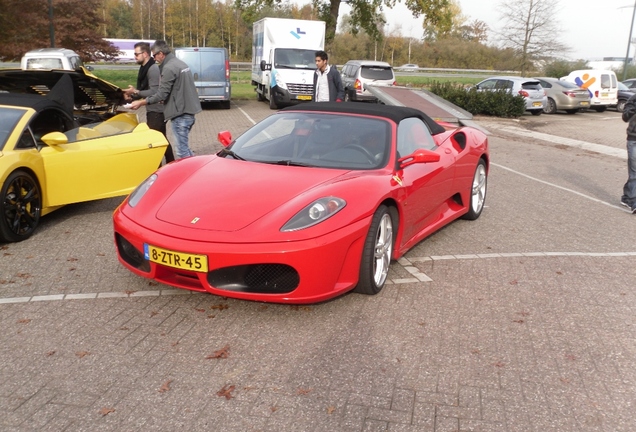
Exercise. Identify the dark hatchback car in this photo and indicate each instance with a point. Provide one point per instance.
(624, 93)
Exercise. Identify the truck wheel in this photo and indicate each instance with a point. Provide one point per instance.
(272, 102)
(260, 93)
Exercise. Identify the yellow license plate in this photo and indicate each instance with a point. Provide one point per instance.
(537, 104)
(180, 260)
(604, 94)
(303, 97)
(585, 103)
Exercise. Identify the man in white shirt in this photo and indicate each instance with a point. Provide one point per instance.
(327, 81)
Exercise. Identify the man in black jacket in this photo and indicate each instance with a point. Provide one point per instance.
(147, 85)
(327, 81)
(629, 190)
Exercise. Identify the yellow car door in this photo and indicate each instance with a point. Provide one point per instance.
(100, 161)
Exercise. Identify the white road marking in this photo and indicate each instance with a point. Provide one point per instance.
(246, 115)
(583, 145)
(561, 187)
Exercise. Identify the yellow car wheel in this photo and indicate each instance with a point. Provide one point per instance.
(21, 207)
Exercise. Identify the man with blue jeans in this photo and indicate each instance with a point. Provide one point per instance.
(178, 93)
(629, 190)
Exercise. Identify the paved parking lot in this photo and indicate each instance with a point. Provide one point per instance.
(523, 320)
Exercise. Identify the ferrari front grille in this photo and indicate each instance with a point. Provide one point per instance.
(256, 278)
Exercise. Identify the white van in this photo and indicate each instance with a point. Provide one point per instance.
(51, 58)
(602, 86)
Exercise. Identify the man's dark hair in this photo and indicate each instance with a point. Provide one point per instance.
(161, 46)
(144, 46)
(323, 55)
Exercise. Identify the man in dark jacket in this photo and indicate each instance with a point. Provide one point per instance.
(147, 85)
(178, 93)
(327, 81)
(629, 190)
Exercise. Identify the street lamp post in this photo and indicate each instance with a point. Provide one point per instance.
(629, 41)
(51, 30)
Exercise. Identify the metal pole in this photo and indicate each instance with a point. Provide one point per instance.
(51, 30)
(629, 41)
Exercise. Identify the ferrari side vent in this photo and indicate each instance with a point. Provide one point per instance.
(256, 278)
(131, 254)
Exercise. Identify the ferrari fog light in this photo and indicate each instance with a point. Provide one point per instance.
(141, 190)
(315, 213)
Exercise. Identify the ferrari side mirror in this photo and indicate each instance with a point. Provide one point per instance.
(225, 138)
(419, 156)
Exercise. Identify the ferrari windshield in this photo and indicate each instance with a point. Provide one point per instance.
(316, 140)
(8, 119)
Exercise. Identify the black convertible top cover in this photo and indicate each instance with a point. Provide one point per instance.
(395, 113)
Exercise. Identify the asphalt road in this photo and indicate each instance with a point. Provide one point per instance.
(523, 320)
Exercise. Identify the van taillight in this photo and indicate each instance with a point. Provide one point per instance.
(524, 93)
(227, 69)
(394, 83)
(596, 93)
(358, 86)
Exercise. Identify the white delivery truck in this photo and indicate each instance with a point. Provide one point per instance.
(284, 59)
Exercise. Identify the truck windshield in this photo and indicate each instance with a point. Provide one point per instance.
(288, 58)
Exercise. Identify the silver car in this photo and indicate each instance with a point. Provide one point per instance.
(358, 74)
(529, 88)
(564, 95)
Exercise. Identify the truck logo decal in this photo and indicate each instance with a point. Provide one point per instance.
(297, 33)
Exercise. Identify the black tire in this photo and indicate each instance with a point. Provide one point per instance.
(536, 112)
(572, 111)
(620, 106)
(377, 252)
(272, 102)
(478, 190)
(347, 96)
(550, 107)
(260, 95)
(600, 108)
(21, 207)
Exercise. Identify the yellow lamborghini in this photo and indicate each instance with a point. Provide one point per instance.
(62, 141)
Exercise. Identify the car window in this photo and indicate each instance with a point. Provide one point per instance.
(317, 140)
(531, 85)
(110, 127)
(9, 118)
(545, 84)
(504, 84)
(568, 85)
(376, 72)
(413, 134)
(488, 84)
(613, 77)
(44, 63)
(26, 140)
(47, 121)
(294, 58)
(605, 81)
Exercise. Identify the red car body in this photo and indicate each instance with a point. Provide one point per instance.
(251, 222)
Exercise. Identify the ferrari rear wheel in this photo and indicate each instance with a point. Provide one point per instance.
(477, 192)
(377, 252)
(21, 207)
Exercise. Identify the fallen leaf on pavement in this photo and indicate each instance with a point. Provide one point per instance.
(106, 411)
(222, 353)
(82, 354)
(165, 386)
(226, 391)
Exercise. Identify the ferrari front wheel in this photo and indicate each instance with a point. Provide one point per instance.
(21, 207)
(377, 252)
(477, 192)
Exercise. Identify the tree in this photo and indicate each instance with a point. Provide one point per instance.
(365, 14)
(24, 26)
(529, 28)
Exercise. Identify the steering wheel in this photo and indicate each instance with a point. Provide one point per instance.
(363, 150)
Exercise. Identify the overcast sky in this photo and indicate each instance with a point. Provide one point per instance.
(593, 29)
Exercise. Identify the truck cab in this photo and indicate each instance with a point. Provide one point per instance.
(283, 59)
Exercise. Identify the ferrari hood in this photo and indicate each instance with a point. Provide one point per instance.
(228, 195)
(79, 88)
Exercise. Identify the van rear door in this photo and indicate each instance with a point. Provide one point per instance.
(210, 69)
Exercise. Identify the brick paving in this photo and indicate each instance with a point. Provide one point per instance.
(525, 322)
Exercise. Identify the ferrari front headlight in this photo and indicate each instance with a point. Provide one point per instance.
(314, 213)
(141, 190)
